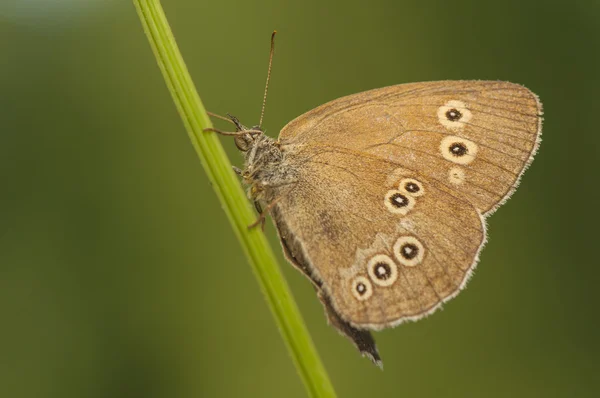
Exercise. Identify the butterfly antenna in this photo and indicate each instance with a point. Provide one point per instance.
(262, 112)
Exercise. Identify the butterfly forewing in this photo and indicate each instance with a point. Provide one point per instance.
(417, 124)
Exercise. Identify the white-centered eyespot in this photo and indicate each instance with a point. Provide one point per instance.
(458, 150)
(411, 187)
(409, 251)
(399, 202)
(454, 115)
(456, 175)
(361, 288)
(382, 270)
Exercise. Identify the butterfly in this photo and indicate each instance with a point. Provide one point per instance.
(380, 198)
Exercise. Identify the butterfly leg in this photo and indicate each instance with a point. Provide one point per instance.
(262, 213)
(261, 217)
(239, 126)
(240, 129)
(237, 170)
(232, 133)
(230, 119)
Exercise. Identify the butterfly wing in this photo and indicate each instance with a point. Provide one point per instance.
(476, 136)
(386, 211)
(343, 220)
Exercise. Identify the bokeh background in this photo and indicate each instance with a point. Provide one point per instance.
(120, 275)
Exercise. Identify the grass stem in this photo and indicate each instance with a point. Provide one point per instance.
(233, 199)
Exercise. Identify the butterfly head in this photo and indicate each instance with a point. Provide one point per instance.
(245, 142)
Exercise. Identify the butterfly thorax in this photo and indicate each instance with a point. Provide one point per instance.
(265, 168)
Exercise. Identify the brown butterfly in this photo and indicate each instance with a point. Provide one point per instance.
(380, 198)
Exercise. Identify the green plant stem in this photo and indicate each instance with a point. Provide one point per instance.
(233, 199)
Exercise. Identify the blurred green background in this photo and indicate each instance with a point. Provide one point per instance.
(120, 276)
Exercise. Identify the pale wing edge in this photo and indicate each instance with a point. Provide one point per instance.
(534, 150)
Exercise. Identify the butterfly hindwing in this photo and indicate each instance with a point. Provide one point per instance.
(341, 216)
